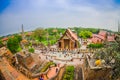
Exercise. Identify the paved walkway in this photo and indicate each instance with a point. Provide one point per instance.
(60, 74)
(52, 72)
(59, 57)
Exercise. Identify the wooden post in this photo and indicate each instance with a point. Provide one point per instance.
(70, 44)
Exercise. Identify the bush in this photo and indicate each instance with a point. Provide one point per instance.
(69, 73)
(85, 34)
(31, 50)
(52, 42)
(45, 43)
(97, 45)
(46, 66)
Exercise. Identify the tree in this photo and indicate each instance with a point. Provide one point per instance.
(85, 34)
(116, 67)
(1, 44)
(55, 32)
(19, 38)
(39, 34)
(13, 44)
(109, 53)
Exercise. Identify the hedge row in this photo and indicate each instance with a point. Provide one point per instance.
(98, 45)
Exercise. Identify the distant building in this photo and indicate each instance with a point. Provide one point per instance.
(69, 40)
(102, 36)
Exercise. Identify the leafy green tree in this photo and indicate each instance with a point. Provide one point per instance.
(79, 29)
(1, 44)
(19, 38)
(13, 44)
(39, 34)
(85, 34)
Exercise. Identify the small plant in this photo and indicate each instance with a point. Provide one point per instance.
(69, 73)
(97, 45)
(31, 50)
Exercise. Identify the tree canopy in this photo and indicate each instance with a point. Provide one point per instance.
(13, 43)
(1, 44)
(85, 34)
(111, 52)
(39, 34)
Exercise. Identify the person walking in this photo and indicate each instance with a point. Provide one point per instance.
(56, 70)
(41, 77)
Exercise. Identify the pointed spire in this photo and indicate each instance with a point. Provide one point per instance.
(118, 26)
(22, 31)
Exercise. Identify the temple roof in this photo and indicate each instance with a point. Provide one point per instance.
(98, 36)
(73, 35)
(70, 34)
(4, 39)
(110, 38)
(102, 33)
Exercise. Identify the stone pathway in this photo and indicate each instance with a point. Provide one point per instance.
(60, 74)
(60, 58)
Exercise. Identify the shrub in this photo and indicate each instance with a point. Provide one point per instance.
(46, 66)
(69, 73)
(31, 50)
(97, 45)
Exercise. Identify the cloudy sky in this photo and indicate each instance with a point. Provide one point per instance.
(58, 13)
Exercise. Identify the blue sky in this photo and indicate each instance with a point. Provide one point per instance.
(58, 13)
